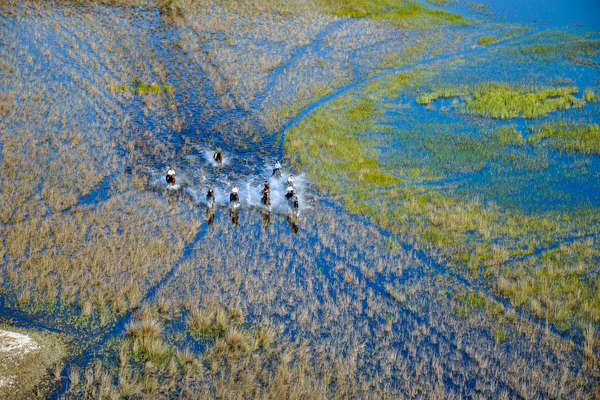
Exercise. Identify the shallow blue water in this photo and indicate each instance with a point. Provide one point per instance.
(557, 13)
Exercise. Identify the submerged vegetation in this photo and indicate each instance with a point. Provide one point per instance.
(577, 49)
(569, 138)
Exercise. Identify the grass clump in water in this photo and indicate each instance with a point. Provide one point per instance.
(508, 136)
(495, 39)
(212, 323)
(570, 138)
(402, 13)
(443, 93)
(575, 49)
(141, 88)
(503, 102)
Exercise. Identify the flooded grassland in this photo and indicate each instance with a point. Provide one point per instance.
(447, 172)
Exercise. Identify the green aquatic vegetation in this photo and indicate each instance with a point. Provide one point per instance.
(487, 40)
(409, 54)
(441, 2)
(503, 102)
(511, 34)
(578, 50)
(558, 285)
(508, 136)
(339, 158)
(243, 363)
(402, 13)
(140, 88)
(392, 85)
(442, 93)
(459, 152)
(331, 142)
(212, 323)
(568, 137)
(471, 303)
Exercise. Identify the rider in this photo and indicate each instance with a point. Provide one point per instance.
(170, 176)
(234, 197)
(266, 199)
(290, 181)
(277, 169)
(210, 197)
(292, 198)
(218, 156)
(265, 188)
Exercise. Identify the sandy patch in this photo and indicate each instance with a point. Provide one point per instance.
(12, 345)
(16, 342)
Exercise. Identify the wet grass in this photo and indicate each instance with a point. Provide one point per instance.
(495, 39)
(504, 102)
(141, 88)
(508, 136)
(33, 374)
(242, 363)
(404, 14)
(577, 49)
(336, 309)
(558, 286)
(468, 234)
(562, 136)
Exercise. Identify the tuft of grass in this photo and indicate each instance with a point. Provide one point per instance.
(504, 102)
(442, 93)
(508, 136)
(212, 323)
(569, 138)
(513, 33)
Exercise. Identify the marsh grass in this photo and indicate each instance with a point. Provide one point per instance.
(510, 34)
(555, 286)
(504, 102)
(212, 323)
(140, 88)
(577, 49)
(508, 136)
(467, 234)
(568, 137)
(443, 93)
(317, 322)
(401, 13)
(404, 14)
(321, 315)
